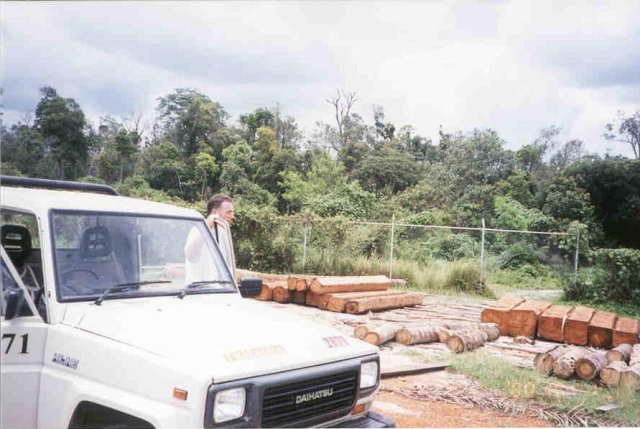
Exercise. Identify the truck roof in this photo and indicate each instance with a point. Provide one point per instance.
(40, 201)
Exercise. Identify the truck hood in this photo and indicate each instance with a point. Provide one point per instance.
(223, 336)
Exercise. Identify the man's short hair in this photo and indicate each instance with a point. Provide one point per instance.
(216, 201)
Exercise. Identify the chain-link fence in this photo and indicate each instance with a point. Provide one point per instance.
(427, 256)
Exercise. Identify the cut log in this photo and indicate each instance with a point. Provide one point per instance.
(282, 294)
(551, 322)
(361, 330)
(630, 378)
(565, 366)
(337, 302)
(266, 293)
(589, 366)
(445, 333)
(491, 329)
(362, 305)
(312, 299)
(417, 335)
(601, 329)
(610, 375)
(499, 313)
(349, 284)
(576, 327)
(323, 300)
(466, 342)
(625, 331)
(299, 297)
(544, 362)
(634, 359)
(381, 334)
(299, 282)
(523, 319)
(620, 353)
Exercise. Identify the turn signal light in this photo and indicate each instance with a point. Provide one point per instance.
(180, 394)
(358, 409)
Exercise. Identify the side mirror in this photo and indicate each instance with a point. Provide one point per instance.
(250, 287)
(14, 300)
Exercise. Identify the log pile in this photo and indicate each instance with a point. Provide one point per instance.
(340, 294)
(613, 368)
(578, 326)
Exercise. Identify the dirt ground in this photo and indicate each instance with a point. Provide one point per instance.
(410, 412)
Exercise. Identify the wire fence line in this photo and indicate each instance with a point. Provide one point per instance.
(392, 227)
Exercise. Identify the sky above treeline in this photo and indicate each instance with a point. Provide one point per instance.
(513, 66)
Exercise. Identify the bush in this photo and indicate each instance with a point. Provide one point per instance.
(465, 277)
(615, 276)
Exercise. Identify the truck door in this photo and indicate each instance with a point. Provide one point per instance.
(21, 357)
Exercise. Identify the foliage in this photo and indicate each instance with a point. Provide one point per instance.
(465, 277)
(614, 276)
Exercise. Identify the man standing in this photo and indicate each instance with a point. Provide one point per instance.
(220, 215)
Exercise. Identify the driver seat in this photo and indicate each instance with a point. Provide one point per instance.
(96, 255)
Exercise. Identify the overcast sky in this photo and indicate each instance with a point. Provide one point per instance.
(514, 66)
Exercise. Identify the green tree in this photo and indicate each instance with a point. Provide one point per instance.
(163, 168)
(206, 169)
(61, 122)
(387, 170)
(191, 120)
(626, 130)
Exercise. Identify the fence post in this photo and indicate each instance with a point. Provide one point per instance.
(304, 249)
(482, 254)
(575, 262)
(393, 231)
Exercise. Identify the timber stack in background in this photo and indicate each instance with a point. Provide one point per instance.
(579, 326)
(340, 294)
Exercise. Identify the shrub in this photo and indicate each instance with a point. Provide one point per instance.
(465, 277)
(615, 276)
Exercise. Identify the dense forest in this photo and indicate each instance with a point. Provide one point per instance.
(358, 167)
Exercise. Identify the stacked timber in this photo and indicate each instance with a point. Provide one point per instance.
(600, 330)
(349, 284)
(498, 313)
(576, 327)
(626, 331)
(551, 322)
(523, 319)
(337, 302)
(363, 305)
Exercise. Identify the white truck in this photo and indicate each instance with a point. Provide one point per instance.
(107, 323)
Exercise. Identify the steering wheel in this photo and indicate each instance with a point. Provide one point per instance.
(73, 286)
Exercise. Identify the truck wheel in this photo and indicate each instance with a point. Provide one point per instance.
(94, 416)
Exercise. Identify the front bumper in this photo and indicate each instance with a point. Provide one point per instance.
(369, 420)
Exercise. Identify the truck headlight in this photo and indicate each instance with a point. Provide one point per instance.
(229, 404)
(368, 374)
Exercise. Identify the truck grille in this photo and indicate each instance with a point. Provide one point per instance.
(289, 403)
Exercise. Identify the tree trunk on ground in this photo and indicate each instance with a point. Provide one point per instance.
(589, 366)
(349, 284)
(417, 335)
(380, 335)
(362, 305)
(620, 353)
(361, 330)
(499, 313)
(610, 375)
(299, 297)
(544, 362)
(282, 294)
(565, 366)
(312, 299)
(634, 359)
(459, 343)
(631, 378)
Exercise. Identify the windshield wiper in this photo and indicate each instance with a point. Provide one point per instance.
(199, 284)
(121, 287)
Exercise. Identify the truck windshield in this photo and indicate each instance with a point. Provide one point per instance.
(151, 255)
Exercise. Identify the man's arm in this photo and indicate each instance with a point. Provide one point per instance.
(195, 241)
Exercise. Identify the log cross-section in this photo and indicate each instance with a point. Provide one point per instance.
(620, 353)
(610, 375)
(576, 327)
(544, 361)
(601, 329)
(589, 366)
(565, 366)
(499, 312)
(625, 331)
(381, 334)
(523, 319)
(551, 322)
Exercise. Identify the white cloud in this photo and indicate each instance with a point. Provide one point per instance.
(514, 66)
